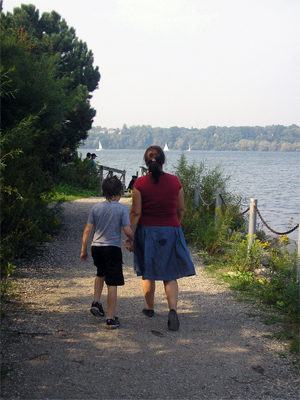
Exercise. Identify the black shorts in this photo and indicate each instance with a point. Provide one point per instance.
(108, 260)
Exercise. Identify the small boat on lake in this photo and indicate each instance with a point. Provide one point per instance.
(166, 148)
(99, 147)
(189, 149)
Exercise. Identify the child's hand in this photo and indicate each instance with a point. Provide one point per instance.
(83, 256)
(129, 245)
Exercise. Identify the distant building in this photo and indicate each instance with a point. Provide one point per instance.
(108, 131)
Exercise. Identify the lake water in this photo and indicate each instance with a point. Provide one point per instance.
(271, 177)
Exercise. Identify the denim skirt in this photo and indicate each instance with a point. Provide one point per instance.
(160, 253)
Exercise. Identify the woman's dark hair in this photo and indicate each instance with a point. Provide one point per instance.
(111, 187)
(154, 159)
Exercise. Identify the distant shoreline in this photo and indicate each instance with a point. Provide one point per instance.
(86, 148)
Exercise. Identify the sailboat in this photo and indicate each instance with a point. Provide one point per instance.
(166, 148)
(189, 149)
(99, 147)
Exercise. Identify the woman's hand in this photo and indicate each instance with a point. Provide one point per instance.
(129, 245)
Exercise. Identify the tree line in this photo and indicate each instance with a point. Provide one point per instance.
(243, 138)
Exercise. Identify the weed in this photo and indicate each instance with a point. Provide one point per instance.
(7, 287)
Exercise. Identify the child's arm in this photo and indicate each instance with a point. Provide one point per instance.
(85, 239)
(128, 232)
(128, 242)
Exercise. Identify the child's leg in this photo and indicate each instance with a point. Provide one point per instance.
(111, 301)
(98, 287)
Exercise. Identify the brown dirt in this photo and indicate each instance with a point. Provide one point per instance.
(54, 348)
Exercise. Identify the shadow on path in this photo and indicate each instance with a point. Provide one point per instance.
(54, 348)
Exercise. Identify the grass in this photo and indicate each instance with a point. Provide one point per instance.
(70, 193)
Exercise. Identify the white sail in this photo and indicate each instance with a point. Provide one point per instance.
(166, 148)
(189, 149)
(100, 146)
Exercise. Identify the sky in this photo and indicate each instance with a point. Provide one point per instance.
(189, 63)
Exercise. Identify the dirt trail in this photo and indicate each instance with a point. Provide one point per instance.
(54, 348)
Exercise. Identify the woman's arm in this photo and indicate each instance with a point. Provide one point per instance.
(180, 204)
(136, 208)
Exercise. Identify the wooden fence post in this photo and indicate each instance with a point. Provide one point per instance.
(122, 179)
(298, 266)
(143, 171)
(110, 174)
(196, 196)
(101, 178)
(252, 220)
(218, 205)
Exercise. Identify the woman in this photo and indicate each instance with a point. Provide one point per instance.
(160, 251)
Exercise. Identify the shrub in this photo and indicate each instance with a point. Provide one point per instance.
(26, 218)
(200, 226)
(79, 174)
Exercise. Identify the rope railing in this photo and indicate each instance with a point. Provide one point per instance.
(231, 212)
(254, 210)
(267, 226)
(262, 220)
(197, 197)
(204, 203)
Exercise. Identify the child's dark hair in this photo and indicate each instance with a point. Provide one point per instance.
(111, 187)
(154, 159)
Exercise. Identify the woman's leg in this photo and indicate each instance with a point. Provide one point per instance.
(171, 290)
(111, 301)
(148, 290)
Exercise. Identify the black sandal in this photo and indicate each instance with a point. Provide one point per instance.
(173, 321)
(148, 313)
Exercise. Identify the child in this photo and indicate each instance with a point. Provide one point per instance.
(107, 218)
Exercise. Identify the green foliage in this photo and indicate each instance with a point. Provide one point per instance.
(64, 192)
(51, 75)
(26, 219)
(281, 287)
(274, 283)
(47, 76)
(204, 227)
(7, 288)
(245, 258)
(79, 174)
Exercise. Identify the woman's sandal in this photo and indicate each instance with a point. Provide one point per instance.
(173, 321)
(148, 313)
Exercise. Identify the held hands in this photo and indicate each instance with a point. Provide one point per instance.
(129, 245)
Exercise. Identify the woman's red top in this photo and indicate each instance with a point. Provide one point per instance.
(159, 200)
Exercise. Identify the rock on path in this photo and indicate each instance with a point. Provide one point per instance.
(54, 348)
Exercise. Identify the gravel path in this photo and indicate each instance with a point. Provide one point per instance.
(54, 348)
